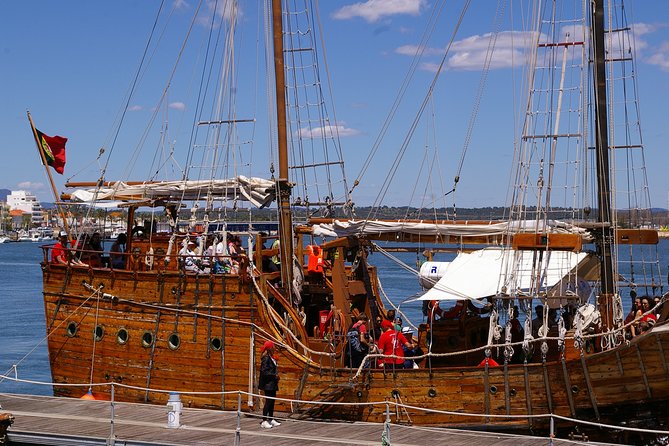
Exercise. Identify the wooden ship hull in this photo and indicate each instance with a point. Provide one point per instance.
(200, 335)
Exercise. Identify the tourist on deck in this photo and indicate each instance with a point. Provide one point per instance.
(60, 254)
(646, 316)
(632, 326)
(190, 260)
(234, 253)
(358, 340)
(116, 251)
(269, 384)
(411, 352)
(658, 307)
(93, 250)
(538, 321)
(276, 258)
(59, 251)
(303, 316)
(517, 335)
(390, 343)
(377, 327)
(222, 262)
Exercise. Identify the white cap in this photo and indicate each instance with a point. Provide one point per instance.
(62, 234)
(407, 330)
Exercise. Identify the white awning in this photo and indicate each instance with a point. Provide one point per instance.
(492, 271)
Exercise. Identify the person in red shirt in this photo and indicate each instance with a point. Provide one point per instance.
(390, 343)
(59, 251)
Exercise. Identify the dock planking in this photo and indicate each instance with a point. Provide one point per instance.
(61, 421)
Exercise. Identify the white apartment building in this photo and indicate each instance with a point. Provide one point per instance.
(26, 202)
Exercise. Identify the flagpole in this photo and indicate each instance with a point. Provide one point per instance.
(48, 172)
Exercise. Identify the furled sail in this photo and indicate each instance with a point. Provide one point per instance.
(258, 191)
(339, 228)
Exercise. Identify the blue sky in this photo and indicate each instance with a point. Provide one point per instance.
(71, 64)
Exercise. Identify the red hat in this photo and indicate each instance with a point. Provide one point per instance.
(387, 324)
(267, 345)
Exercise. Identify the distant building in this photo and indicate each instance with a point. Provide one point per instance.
(26, 202)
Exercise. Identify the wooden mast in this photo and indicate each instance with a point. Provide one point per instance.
(604, 239)
(284, 186)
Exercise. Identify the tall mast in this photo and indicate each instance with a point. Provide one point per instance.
(285, 218)
(605, 236)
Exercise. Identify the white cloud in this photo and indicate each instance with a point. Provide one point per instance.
(219, 9)
(470, 53)
(181, 4)
(134, 108)
(30, 186)
(177, 106)
(660, 57)
(328, 131)
(374, 10)
(511, 48)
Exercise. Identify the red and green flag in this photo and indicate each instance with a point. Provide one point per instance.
(53, 148)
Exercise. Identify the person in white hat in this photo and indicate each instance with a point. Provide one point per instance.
(410, 352)
(190, 259)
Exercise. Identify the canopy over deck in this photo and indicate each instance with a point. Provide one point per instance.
(494, 271)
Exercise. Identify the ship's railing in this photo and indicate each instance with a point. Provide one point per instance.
(389, 409)
(140, 261)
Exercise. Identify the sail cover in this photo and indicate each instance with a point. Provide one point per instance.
(345, 228)
(492, 271)
(258, 191)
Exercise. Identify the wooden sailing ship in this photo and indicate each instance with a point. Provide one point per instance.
(151, 325)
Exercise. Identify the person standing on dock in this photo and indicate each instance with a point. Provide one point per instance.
(269, 383)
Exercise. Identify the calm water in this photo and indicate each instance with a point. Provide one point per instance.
(22, 327)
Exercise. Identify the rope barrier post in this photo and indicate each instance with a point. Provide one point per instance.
(385, 436)
(552, 431)
(112, 435)
(238, 430)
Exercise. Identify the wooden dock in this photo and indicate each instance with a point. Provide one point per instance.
(64, 421)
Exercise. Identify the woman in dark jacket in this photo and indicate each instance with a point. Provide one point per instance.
(269, 383)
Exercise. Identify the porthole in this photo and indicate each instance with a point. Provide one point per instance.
(99, 333)
(147, 339)
(72, 329)
(493, 390)
(574, 389)
(122, 336)
(216, 344)
(174, 341)
(432, 393)
(512, 393)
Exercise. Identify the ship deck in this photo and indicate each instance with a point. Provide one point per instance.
(65, 421)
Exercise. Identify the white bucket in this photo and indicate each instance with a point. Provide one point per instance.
(174, 407)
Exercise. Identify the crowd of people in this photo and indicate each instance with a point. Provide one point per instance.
(388, 338)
